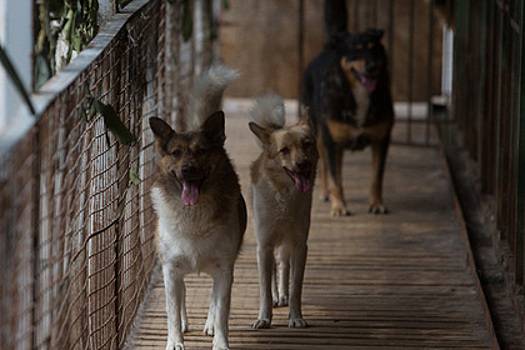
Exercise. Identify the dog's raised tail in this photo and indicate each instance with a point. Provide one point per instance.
(268, 111)
(206, 97)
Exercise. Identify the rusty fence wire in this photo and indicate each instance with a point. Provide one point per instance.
(76, 222)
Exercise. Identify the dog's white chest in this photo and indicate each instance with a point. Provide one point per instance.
(189, 239)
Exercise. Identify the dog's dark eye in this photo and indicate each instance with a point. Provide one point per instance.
(176, 153)
(284, 151)
(307, 143)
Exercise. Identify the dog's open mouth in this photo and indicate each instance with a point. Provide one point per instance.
(191, 188)
(302, 180)
(190, 192)
(369, 82)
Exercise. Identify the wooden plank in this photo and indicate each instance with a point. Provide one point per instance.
(400, 281)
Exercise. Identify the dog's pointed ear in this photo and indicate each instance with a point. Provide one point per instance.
(375, 33)
(262, 134)
(304, 116)
(213, 128)
(339, 41)
(161, 130)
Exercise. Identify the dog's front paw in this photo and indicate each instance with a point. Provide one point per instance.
(377, 208)
(174, 346)
(261, 323)
(280, 301)
(339, 210)
(297, 322)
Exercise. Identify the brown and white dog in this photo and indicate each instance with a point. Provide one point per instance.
(201, 212)
(282, 179)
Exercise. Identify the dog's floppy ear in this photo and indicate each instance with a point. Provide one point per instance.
(262, 133)
(213, 128)
(161, 129)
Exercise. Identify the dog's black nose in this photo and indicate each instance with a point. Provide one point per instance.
(303, 165)
(189, 171)
(372, 67)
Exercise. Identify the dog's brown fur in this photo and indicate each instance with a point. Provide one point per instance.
(282, 179)
(204, 235)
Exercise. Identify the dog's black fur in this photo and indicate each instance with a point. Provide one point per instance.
(328, 93)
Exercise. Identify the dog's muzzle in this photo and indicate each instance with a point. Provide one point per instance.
(301, 175)
(191, 182)
(369, 82)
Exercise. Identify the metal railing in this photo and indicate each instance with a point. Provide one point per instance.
(76, 222)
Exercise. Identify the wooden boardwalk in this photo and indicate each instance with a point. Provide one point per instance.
(400, 281)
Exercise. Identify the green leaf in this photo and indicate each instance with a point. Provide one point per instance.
(134, 177)
(113, 123)
(187, 20)
(42, 72)
(226, 4)
(15, 79)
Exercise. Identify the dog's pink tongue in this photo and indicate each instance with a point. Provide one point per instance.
(369, 84)
(190, 193)
(302, 183)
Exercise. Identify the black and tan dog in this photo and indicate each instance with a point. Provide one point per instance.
(347, 92)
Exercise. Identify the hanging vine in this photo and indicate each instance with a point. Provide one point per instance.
(62, 29)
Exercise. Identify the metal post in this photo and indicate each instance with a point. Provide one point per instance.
(430, 67)
(520, 239)
(410, 68)
(300, 52)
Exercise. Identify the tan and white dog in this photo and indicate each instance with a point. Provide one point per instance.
(282, 180)
(201, 212)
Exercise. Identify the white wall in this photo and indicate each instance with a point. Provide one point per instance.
(16, 37)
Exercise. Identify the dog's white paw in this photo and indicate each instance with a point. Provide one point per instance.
(297, 323)
(220, 343)
(339, 210)
(209, 328)
(377, 208)
(281, 301)
(261, 323)
(173, 346)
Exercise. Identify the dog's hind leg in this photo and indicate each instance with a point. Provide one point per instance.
(325, 196)
(335, 181)
(265, 262)
(295, 318)
(379, 153)
(222, 281)
(209, 326)
(184, 314)
(174, 289)
(275, 283)
(283, 266)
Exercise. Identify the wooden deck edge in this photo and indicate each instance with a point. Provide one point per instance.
(458, 211)
(154, 278)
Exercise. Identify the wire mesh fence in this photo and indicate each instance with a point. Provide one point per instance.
(488, 111)
(76, 222)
